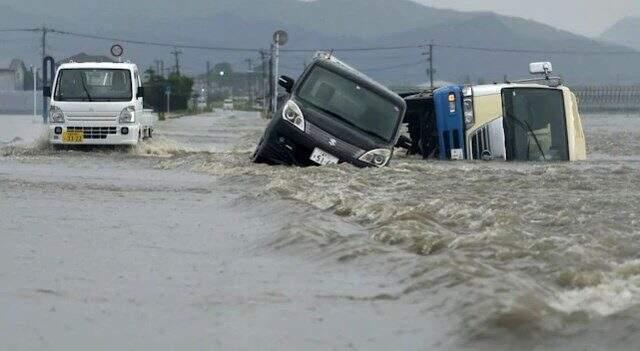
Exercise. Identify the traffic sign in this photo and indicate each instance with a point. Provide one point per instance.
(117, 50)
(280, 37)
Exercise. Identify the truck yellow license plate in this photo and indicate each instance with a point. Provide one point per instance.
(72, 137)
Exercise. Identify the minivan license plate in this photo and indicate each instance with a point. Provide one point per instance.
(323, 158)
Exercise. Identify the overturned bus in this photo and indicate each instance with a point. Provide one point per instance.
(531, 120)
(332, 114)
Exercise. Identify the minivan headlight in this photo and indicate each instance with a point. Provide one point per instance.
(56, 115)
(469, 116)
(377, 157)
(127, 115)
(293, 114)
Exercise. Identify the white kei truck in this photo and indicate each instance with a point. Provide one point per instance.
(98, 104)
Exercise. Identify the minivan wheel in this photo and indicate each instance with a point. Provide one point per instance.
(259, 156)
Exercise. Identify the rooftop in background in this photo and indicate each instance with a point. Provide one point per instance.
(11, 65)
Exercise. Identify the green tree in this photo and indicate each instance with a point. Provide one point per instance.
(155, 91)
(223, 67)
(181, 89)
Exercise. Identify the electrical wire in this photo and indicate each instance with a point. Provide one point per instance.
(308, 50)
(389, 68)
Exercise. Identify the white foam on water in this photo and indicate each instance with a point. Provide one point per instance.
(603, 300)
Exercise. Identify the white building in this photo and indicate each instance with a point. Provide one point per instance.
(12, 75)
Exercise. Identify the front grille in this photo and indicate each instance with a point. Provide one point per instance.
(323, 138)
(481, 144)
(94, 132)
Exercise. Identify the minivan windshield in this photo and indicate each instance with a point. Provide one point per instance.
(93, 85)
(535, 125)
(350, 102)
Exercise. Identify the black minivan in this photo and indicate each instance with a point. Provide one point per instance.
(332, 114)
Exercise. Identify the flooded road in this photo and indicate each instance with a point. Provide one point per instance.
(182, 242)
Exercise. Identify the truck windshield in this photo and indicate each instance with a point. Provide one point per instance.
(350, 102)
(94, 85)
(534, 124)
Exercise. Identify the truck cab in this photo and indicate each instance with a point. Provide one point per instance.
(532, 120)
(98, 104)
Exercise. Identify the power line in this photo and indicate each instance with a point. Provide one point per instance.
(21, 30)
(361, 49)
(307, 50)
(533, 51)
(388, 68)
(154, 43)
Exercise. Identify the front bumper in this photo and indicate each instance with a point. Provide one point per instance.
(287, 144)
(96, 135)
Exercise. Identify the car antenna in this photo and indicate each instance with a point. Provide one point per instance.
(331, 53)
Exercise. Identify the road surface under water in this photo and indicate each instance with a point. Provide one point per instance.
(183, 243)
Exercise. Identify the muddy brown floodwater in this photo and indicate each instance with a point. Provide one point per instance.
(183, 243)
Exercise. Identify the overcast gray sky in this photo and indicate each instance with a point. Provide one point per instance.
(587, 17)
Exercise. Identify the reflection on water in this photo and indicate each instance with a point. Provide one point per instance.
(513, 253)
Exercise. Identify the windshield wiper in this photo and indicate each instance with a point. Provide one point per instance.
(84, 86)
(530, 132)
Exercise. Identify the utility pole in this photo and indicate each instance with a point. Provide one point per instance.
(250, 80)
(430, 71)
(263, 57)
(35, 95)
(275, 77)
(158, 72)
(44, 42)
(176, 53)
(208, 80)
(161, 68)
(272, 81)
(167, 92)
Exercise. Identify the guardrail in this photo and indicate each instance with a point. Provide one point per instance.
(608, 98)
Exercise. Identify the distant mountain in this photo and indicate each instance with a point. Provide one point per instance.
(625, 32)
(486, 31)
(326, 24)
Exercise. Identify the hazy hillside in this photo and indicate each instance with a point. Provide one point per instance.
(327, 24)
(626, 32)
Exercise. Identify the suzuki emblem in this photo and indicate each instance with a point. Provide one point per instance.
(333, 142)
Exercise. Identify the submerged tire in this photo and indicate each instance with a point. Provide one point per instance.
(259, 156)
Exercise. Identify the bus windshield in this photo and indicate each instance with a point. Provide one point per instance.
(94, 85)
(534, 124)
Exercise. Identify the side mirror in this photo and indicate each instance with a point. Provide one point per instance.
(140, 93)
(540, 68)
(46, 92)
(287, 83)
